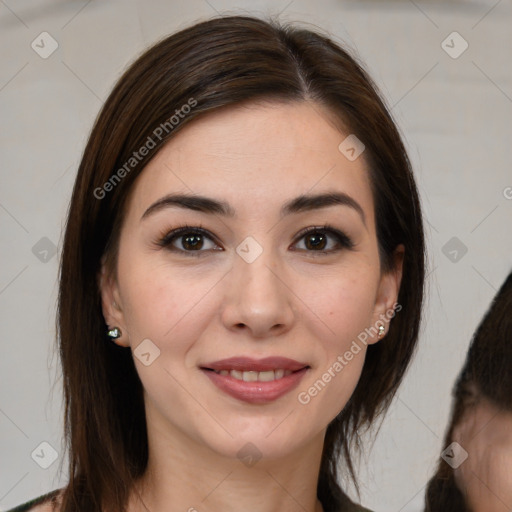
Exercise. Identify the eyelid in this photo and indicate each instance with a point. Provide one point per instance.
(343, 239)
(165, 239)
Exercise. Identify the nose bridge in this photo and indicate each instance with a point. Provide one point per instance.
(259, 298)
(256, 272)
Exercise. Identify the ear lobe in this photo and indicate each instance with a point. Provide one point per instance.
(387, 294)
(110, 304)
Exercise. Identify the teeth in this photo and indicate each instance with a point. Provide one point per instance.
(265, 376)
(236, 374)
(250, 376)
(279, 374)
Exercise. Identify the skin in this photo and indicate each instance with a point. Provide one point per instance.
(291, 301)
(485, 477)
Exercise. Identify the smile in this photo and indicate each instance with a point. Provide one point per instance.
(256, 381)
(252, 376)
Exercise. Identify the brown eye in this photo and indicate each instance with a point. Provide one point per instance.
(188, 239)
(317, 239)
(192, 241)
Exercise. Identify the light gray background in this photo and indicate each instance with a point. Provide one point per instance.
(455, 115)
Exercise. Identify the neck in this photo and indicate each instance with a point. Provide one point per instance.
(185, 475)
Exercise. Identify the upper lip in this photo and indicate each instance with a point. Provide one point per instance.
(255, 365)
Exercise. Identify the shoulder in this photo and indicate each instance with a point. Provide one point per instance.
(345, 504)
(49, 502)
(354, 507)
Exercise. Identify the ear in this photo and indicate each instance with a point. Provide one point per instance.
(111, 304)
(387, 296)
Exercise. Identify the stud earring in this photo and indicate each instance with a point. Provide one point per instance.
(114, 333)
(382, 330)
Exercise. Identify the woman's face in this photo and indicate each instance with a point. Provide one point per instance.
(484, 475)
(251, 284)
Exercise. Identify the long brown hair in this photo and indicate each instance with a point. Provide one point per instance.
(213, 64)
(486, 374)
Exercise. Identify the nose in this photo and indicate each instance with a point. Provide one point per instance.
(258, 298)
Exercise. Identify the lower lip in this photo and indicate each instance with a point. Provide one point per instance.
(256, 392)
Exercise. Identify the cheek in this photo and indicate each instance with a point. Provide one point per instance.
(348, 304)
(162, 303)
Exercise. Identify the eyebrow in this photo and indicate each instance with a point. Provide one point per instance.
(302, 203)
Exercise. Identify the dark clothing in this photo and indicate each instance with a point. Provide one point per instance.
(25, 507)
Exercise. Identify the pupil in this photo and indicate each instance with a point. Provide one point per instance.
(318, 241)
(315, 241)
(192, 241)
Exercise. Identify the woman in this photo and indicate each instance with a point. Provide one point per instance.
(475, 471)
(241, 277)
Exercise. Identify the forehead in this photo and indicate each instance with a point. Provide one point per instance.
(255, 156)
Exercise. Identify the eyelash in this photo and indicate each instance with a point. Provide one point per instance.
(166, 239)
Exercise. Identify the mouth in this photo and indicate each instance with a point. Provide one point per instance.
(256, 381)
(252, 376)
